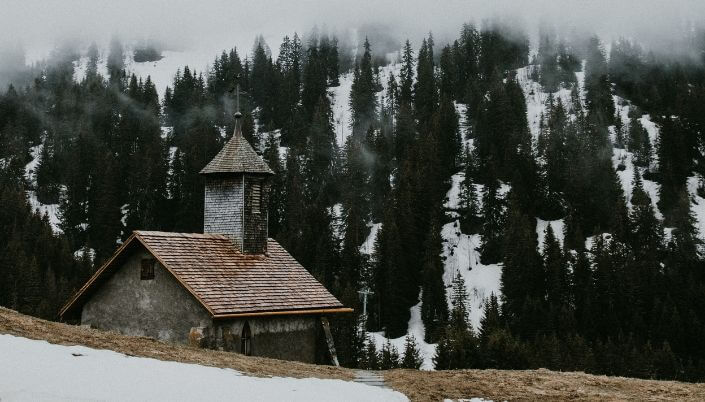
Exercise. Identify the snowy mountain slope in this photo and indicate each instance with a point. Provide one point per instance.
(161, 71)
(33, 370)
(536, 99)
(461, 254)
(622, 160)
(340, 100)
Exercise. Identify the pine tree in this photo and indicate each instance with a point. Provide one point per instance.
(557, 289)
(493, 222)
(371, 358)
(434, 309)
(523, 277)
(412, 355)
(582, 292)
(407, 76)
(457, 346)
(459, 296)
(363, 101)
(491, 319)
(425, 90)
(276, 194)
(389, 357)
(469, 212)
(639, 143)
(47, 174)
(599, 90)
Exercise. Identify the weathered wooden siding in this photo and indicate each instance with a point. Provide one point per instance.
(255, 228)
(223, 207)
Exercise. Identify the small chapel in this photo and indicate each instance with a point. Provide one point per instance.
(230, 288)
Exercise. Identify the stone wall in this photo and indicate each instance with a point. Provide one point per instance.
(159, 308)
(285, 338)
(223, 207)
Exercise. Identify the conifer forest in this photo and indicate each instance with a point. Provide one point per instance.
(509, 197)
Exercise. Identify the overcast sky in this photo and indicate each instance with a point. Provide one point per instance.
(220, 24)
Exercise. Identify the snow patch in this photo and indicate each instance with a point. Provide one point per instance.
(460, 252)
(417, 329)
(340, 105)
(167, 131)
(336, 212)
(83, 253)
(368, 247)
(37, 370)
(557, 227)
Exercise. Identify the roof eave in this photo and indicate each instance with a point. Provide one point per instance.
(333, 310)
(223, 172)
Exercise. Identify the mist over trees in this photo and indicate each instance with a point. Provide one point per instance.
(116, 156)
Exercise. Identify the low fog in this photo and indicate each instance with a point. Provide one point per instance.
(37, 27)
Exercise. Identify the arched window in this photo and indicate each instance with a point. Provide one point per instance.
(246, 340)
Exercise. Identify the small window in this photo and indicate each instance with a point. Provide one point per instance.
(147, 271)
(256, 197)
(246, 340)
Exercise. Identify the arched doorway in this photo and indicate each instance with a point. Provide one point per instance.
(246, 340)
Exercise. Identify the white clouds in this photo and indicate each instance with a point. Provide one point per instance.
(219, 24)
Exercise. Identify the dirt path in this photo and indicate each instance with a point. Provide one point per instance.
(371, 378)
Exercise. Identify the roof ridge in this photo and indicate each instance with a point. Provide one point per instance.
(180, 234)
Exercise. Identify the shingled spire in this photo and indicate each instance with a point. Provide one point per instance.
(236, 196)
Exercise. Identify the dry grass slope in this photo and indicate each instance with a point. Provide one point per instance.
(535, 385)
(499, 385)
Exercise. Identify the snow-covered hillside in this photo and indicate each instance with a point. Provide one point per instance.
(461, 254)
(161, 71)
(32, 370)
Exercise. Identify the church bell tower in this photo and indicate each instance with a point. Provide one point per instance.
(236, 197)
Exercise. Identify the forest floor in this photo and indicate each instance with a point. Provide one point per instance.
(497, 385)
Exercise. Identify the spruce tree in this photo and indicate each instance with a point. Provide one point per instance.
(407, 76)
(389, 356)
(493, 222)
(363, 101)
(412, 355)
(425, 89)
(523, 277)
(557, 290)
(434, 308)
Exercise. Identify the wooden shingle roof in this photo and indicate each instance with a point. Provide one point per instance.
(227, 282)
(237, 156)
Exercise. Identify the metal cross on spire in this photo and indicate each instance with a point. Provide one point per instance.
(238, 114)
(236, 88)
